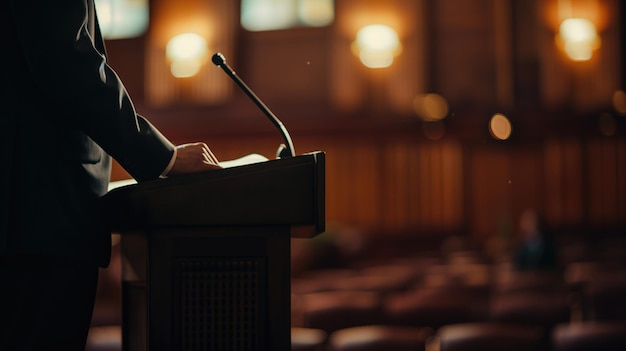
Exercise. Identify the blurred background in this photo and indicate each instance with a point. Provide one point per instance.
(445, 123)
(476, 111)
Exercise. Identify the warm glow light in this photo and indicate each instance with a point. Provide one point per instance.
(378, 37)
(577, 29)
(377, 45)
(122, 18)
(186, 46)
(430, 107)
(579, 38)
(375, 58)
(619, 102)
(184, 69)
(187, 53)
(500, 127)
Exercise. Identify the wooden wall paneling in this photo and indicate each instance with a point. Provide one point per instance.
(504, 183)
(425, 186)
(556, 176)
(603, 181)
(347, 83)
(414, 175)
(563, 188)
(490, 213)
(394, 185)
(526, 180)
(367, 186)
(436, 177)
(465, 51)
(352, 185)
(436, 183)
(453, 185)
(338, 171)
(395, 182)
(408, 74)
(573, 179)
(288, 65)
(525, 45)
(503, 43)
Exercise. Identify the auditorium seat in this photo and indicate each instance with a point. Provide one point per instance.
(604, 296)
(319, 280)
(589, 336)
(490, 337)
(512, 281)
(431, 307)
(380, 337)
(334, 310)
(530, 308)
(308, 339)
(384, 278)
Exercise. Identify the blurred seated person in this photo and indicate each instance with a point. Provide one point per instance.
(537, 250)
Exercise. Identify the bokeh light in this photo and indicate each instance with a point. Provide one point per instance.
(619, 102)
(187, 53)
(377, 45)
(430, 107)
(579, 38)
(500, 127)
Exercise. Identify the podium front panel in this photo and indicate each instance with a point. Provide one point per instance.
(220, 289)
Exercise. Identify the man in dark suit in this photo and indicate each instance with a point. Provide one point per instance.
(64, 111)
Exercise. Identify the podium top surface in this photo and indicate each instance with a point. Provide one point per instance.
(283, 192)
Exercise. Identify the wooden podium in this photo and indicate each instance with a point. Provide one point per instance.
(206, 257)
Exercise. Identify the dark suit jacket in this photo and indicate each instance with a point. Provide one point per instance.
(63, 112)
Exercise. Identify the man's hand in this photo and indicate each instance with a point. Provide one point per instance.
(193, 157)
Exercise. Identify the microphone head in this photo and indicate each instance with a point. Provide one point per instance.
(218, 59)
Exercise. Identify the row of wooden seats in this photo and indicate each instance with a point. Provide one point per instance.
(394, 294)
(588, 336)
(334, 310)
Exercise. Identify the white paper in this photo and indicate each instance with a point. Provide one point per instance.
(244, 160)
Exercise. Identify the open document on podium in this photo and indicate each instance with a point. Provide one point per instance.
(244, 160)
(241, 161)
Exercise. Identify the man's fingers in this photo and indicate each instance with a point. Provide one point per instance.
(207, 156)
(194, 157)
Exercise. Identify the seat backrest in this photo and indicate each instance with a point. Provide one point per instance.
(490, 337)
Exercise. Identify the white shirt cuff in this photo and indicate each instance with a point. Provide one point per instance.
(169, 165)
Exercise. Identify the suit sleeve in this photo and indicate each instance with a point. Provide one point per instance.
(65, 56)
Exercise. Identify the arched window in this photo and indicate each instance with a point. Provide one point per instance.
(264, 15)
(121, 19)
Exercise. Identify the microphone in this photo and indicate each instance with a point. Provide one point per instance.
(284, 150)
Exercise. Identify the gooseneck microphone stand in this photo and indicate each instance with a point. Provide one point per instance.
(284, 150)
